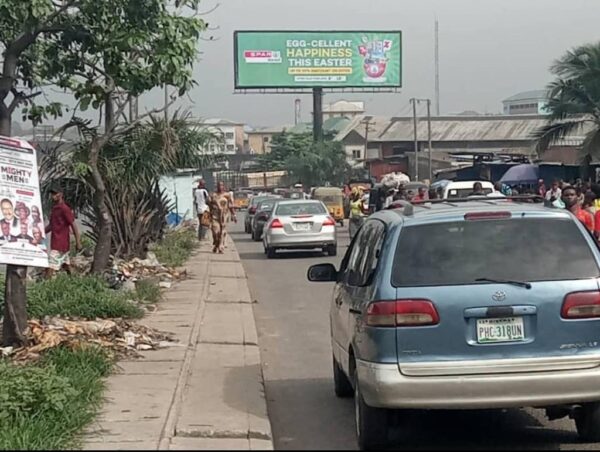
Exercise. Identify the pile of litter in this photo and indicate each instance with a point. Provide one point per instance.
(119, 336)
(134, 270)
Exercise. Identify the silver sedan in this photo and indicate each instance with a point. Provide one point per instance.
(300, 224)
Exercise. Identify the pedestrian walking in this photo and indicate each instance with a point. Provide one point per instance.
(221, 208)
(201, 198)
(569, 198)
(357, 209)
(555, 192)
(62, 221)
(541, 189)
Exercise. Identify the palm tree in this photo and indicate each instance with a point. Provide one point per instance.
(574, 103)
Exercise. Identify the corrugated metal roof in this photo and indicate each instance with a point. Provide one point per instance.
(485, 128)
(540, 94)
(344, 106)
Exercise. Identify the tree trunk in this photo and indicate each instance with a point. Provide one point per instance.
(104, 242)
(14, 326)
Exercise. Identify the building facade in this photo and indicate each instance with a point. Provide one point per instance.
(527, 103)
(232, 136)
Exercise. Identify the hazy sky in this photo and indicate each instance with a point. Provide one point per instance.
(489, 50)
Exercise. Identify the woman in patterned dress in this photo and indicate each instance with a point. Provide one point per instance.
(221, 206)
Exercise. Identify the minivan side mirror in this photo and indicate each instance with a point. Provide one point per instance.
(322, 273)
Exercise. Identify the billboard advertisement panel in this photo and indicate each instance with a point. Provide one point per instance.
(308, 59)
(22, 232)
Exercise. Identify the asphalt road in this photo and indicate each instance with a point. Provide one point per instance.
(293, 326)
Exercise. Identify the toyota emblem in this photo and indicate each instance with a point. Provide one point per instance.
(499, 296)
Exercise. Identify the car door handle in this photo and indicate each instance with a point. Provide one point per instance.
(355, 311)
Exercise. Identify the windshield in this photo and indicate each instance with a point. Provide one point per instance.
(465, 192)
(301, 208)
(517, 249)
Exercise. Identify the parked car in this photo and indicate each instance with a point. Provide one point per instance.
(300, 224)
(262, 215)
(252, 206)
(469, 305)
(462, 189)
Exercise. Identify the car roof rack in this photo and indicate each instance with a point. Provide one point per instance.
(409, 207)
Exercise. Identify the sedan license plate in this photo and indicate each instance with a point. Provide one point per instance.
(302, 226)
(510, 329)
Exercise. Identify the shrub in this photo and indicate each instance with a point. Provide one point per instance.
(45, 406)
(147, 291)
(176, 247)
(78, 296)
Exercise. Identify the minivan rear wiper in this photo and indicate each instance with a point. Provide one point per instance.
(524, 284)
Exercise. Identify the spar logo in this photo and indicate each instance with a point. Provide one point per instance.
(375, 59)
(262, 56)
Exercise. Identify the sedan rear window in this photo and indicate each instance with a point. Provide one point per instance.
(518, 249)
(301, 208)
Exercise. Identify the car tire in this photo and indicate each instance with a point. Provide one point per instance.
(587, 421)
(332, 250)
(372, 424)
(255, 236)
(271, 252)
(341, 383)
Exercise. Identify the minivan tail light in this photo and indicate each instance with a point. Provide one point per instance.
(402, 313)
(276, 224)
(581, 305)
(329, 222)
(473, 216)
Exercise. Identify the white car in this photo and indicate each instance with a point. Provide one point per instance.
(463, 189)
(300, 224)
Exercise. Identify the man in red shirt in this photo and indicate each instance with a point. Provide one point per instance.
(569, 197)
(421, 196)
(62, 221)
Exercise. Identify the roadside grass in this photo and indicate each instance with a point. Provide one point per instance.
(78, 296)
(176, 247)
(82, 296)
(46, 405)
(147, 291)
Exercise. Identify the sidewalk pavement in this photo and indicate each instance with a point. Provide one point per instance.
(208, 392)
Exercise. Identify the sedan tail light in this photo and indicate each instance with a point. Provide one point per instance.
(581, 305)
(329, 222)
(402, 313)
(275, 224)
(252, 210)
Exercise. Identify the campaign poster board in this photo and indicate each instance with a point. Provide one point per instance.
(23, 238)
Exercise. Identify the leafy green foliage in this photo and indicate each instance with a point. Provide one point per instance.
(78, 296)
(574, 104)
(176, 247)
(147, 291)
(45, 406)
(310, 163)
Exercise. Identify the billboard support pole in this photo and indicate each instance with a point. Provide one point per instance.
(317, 114)
(414, 102)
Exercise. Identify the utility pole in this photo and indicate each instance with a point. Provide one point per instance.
(429, 139)
(414, 103)
(317, 114)
(367, 123)
(166, 105)
(437, 68)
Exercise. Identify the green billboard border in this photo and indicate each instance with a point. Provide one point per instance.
(360, 88)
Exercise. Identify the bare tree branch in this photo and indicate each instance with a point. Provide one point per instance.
(20, 97)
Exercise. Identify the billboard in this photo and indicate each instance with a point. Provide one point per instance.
(22, 230)
(309, 59)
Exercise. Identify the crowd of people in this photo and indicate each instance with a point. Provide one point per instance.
(214, 211)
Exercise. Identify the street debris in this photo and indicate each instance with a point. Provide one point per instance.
(120, 336)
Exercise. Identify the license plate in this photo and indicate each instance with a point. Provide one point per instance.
(510, 329)
(302, 226)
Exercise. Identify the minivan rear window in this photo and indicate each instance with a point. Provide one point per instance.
(518, 249)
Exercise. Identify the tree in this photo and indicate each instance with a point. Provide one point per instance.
(102, 52)
(312, 163)
(574, 103)
(132, 165)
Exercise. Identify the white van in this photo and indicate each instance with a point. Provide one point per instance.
(464, 188)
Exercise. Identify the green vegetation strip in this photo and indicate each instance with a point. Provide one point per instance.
(176, 247)
(48, 404)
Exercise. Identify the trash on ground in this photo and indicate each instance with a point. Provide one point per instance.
(120, 336)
